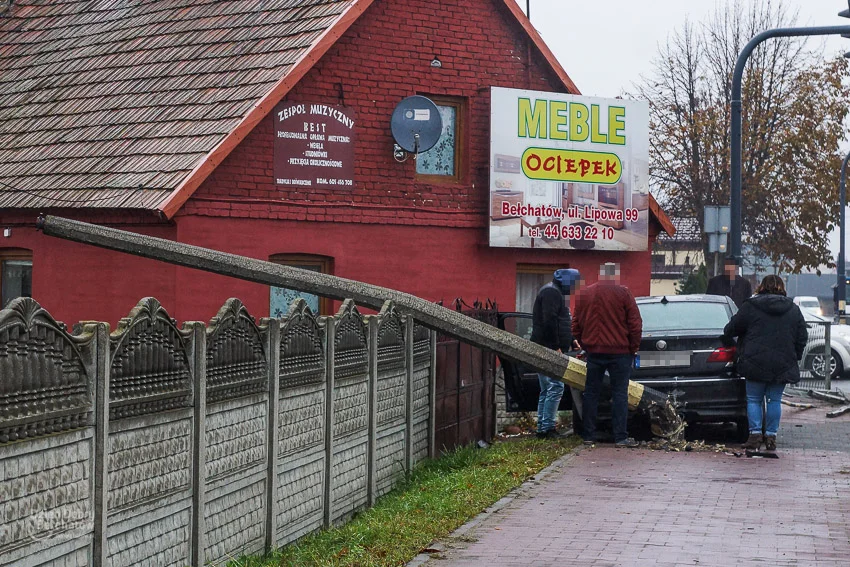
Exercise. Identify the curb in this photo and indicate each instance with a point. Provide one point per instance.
(500, 504)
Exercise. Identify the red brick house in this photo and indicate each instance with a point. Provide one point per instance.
(157, 117)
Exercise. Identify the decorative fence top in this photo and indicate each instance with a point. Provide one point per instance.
(150, 363)
(302, 350)
(236, 355)
(46, 374)
(390, 339)
(45, 384)
(350, 355)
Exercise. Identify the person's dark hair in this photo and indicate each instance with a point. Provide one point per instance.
(771, 284)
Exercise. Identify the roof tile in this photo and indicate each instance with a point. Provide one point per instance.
(101, 97)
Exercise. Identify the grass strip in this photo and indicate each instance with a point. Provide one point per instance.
(440, 496)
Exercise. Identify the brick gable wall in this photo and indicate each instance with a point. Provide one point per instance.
(384, 57)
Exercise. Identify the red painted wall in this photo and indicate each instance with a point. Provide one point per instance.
(390, 229)
(431, 262)
(75, 282)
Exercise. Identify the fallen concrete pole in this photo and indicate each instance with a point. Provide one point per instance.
(665, 420)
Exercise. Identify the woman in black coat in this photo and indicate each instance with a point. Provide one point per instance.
(771, 335)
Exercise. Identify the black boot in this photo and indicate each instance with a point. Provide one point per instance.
(753, 442)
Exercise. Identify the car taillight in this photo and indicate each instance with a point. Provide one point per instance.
(722, 354)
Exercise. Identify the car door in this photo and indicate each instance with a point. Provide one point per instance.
(522, 389)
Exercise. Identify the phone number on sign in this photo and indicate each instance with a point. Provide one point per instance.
(323, 181)
(576, 232)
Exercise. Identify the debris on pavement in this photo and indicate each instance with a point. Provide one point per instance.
(839, 411)
(797, 404)
(659, 444)
(762, 454)
(828, 396)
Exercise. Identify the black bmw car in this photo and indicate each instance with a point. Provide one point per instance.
(680, 355)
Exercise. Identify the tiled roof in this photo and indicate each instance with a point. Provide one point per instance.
(687, 230)
(113, 103)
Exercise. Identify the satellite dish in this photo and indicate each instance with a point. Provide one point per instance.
(416, 124)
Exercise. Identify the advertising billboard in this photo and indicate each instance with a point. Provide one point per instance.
(568, 172)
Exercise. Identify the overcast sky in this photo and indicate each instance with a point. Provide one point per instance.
(606, 45)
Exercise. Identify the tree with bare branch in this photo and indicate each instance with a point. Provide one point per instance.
(794, 106)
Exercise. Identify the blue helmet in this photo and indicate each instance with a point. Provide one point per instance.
(566, 279)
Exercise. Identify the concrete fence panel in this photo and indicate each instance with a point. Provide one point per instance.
(302, 458)
(150, 445)
(391, 393)
(167, 446)
(350, 416)
(46, 439)
(423, 366)
(236, 432)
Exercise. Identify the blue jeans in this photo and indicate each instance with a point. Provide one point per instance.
(547, 404)
(756, 393)
(619, 367)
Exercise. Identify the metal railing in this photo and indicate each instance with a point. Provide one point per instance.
(818, 363)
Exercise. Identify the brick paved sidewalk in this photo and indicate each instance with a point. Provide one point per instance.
(612, 507)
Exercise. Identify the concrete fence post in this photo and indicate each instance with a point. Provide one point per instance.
(330, 334)
(101, 442)
(372, 393)
(273, 438)
(408, 391)
(432, 398)
(199, 436)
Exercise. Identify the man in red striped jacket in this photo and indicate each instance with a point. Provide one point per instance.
(608, 326)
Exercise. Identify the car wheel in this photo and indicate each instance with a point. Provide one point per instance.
(817, 365)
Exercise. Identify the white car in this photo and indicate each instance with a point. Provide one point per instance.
(839, 341)
(809, 303)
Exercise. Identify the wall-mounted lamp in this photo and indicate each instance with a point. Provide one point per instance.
(436, 63)
(7, 232)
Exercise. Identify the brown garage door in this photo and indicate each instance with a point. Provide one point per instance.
(465, 401)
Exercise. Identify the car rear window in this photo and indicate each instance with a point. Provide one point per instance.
(684, 315)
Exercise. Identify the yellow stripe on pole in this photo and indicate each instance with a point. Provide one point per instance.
(575, 373)
(635, 393)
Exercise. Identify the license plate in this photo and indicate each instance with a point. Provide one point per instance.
(663, 359)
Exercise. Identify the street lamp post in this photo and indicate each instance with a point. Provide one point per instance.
(735, 196)
(842, 277)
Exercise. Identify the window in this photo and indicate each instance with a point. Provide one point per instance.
(280, 298)
(684, 316)
(529, 279)
(15, 274)
(442, 162)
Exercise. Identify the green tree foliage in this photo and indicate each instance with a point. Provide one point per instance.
(695, 281)
(794, 107)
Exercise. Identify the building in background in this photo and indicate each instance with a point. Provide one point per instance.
(674, 256)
